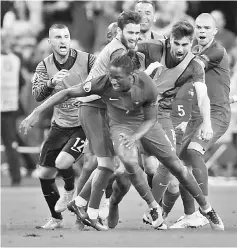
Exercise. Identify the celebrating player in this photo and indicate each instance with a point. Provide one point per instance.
(214, 58)
(132, 109)
(64, 68)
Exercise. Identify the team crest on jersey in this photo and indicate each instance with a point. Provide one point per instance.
(87, 87)
(191, 92)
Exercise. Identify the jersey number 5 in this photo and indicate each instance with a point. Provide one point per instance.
(181, 111)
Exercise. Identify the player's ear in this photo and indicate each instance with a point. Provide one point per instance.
(49, 41)
(215, 31)
(119, 32)
(131, 77)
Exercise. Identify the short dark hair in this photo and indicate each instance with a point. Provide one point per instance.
(124, 62)
(128, 16)
(58, 26)
(146, 1)
(182, 29)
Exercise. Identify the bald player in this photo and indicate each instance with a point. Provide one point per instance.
(111, 31)
(214, 59)
(63, 68)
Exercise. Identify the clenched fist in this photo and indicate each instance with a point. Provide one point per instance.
(58, 77)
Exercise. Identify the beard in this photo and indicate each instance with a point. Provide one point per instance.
(124, 41)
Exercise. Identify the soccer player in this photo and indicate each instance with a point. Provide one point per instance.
(179, 67)
(121, 186)
(214, 58)
(132, 100)
(64, 68)
(146, 9)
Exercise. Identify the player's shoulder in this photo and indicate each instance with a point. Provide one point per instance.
(145, 82)
(196, 64)
(157, 36)
(41, 67)
(155, 42)
(76, 52)
(215, 50)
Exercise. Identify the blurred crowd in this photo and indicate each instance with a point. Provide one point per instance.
(25, 24)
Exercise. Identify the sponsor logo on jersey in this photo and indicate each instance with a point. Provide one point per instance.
(113, 99)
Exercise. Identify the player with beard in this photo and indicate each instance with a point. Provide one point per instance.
(178, 67)
(146, 10)
(214, 59)
(63, 68)
(128, 31)
(131, 100)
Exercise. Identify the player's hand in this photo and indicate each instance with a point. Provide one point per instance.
(152, 67)
(127, 140)
(182, 126)
(29, 121)
(58, 77)
(205, 132)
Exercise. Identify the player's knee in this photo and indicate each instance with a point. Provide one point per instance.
(151, 164)
(91, 163)
(64, 160)
(173, 185)
(176, 167)
(46, 172)
(129, 157)
(120, 170)
(162, 170)
(122, 183)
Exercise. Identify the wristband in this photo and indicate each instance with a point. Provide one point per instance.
(51, 83)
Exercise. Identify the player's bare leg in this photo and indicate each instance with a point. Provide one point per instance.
(120, 188)
(130, 159)
(92, 193)
(90, 164)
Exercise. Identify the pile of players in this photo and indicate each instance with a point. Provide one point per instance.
(145, 98)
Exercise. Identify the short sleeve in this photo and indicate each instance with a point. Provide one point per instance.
(212, 57)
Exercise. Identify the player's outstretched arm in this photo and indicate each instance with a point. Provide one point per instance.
(63, 95)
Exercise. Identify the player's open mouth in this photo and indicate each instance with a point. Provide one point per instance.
(179, 55)
(202, 37)
(115, 86)
(63, 48)
(132, 42)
